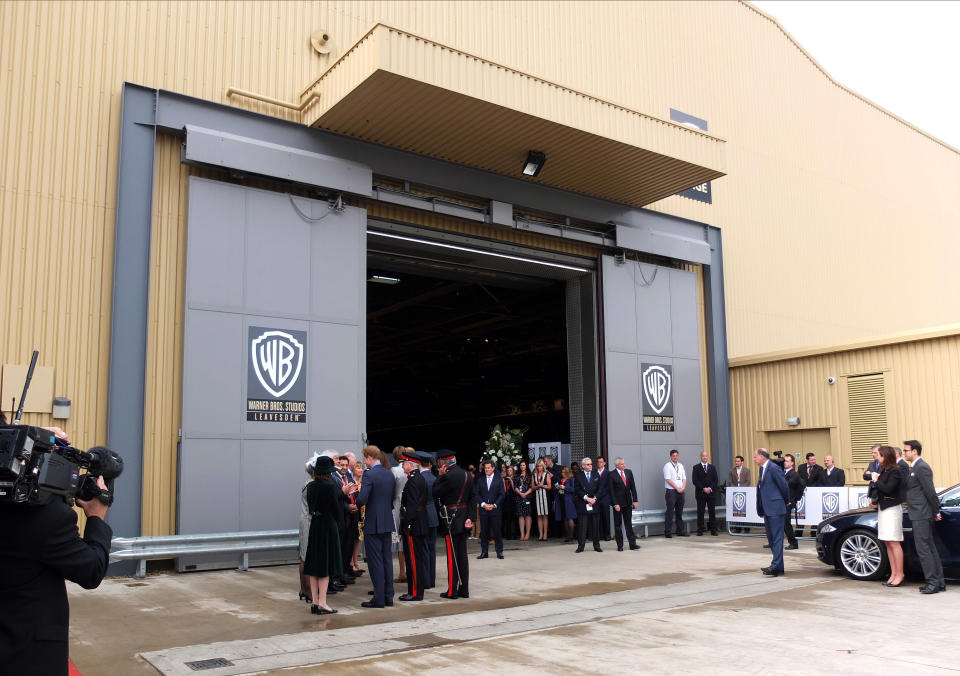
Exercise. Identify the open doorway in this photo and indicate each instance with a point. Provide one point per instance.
(457, 344)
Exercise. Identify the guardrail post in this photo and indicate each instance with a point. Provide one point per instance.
(141, 569)
(245, 561)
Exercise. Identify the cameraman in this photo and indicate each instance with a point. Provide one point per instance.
(40, 547)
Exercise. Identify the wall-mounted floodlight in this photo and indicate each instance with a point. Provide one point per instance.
(61, 408)
(384, 279)
(534, 163)
(793, 422)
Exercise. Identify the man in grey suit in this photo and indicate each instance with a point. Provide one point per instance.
(772, 497)
(924, 507)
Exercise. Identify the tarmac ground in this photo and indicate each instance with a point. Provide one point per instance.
(683, 605)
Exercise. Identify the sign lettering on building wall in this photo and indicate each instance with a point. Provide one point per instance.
(276, 375)
(657, 384)
(702, 192)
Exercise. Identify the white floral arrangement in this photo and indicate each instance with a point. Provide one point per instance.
(506, 445)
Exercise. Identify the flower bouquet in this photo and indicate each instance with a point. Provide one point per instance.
(506, 445)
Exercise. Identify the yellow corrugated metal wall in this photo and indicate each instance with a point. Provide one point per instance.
(922, 385)
(820, 183)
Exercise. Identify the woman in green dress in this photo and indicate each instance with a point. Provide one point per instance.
(323, 557)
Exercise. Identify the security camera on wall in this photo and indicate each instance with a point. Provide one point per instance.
(831, 380)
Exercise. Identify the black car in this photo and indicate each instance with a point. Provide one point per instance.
(849, 541)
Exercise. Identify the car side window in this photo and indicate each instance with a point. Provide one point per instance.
(951, 498)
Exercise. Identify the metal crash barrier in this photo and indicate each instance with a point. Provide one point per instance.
(142, 549)
(644, 518)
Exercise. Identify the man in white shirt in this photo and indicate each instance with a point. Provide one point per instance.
(674, 484)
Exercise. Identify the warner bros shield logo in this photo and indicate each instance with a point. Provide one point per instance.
(802, 507)
(277, 358)
(656, 387)
(740, 503)
(863, 500)
(830, 503)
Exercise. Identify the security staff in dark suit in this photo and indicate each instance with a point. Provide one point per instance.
(376, 494)
(924, 507)
(832, 475)
(414, 526)
(796, 487)
(430, 564)
(40, 547)
(772, 498)
(454, 493)
(706, 481)
(586, 499)
(623, 493)
(490, 496)
(343, 478)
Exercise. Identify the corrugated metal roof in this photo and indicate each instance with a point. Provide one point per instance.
(407, 92)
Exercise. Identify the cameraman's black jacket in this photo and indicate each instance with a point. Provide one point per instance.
(40, 547)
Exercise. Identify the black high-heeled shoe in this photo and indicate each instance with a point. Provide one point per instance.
(304, 597)
(314, 609)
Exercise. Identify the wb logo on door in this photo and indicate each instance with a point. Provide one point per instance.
(656, 387)
(277, 358)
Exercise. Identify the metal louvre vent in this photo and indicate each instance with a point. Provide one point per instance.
(866, 396)
(202, 665)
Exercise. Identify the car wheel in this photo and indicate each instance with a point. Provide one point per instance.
(861, 556)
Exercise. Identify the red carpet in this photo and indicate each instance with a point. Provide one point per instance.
(73, 670)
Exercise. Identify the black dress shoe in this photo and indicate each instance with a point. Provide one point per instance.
(331, 590)
(683, 535)
(597, 549)
(766, 546)
(304, 597)
(462, 594)
(370, 593)
(714, 533)
(409, 597)
(347, 580)
(699, 533)
(388, 604)
(667, 535)
(634, 547)
(451, 597)
(499, 556)
(772, 572)
(324, 611)
(371, 604)
(930, 589)
(619, 548)
(793, 546)
(579, 549)
(482, 556)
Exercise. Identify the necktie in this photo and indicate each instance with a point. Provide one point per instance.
(760, 478)
(588, 477)
(624, 477)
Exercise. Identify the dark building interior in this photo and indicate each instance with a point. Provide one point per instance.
(453, 349)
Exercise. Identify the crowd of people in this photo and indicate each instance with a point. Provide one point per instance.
(398, 504)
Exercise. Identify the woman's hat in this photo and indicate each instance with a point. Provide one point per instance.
(312, 462)
(324, 465)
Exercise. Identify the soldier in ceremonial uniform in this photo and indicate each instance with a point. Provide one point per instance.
(454, 493)
(414, 525)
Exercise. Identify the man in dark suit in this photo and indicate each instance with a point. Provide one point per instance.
(343, 478)
(430, 541)
(587, 487)
(40, 547)
(705, 481)
(924, 507)
(811, 472)
(623, 494)
(376, 494)
(454, 493)
(832, 475)
(772, 497)
(904, 474)
(603, 499)
(795, 487)
(490, 495)
(414, 525)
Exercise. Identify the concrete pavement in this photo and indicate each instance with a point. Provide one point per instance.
(675, 602)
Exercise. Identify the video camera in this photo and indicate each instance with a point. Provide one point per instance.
(35, 466)
(778, 458)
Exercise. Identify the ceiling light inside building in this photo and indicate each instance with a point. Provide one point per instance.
(383, 279)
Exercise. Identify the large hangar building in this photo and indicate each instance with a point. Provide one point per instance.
(240, 232)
